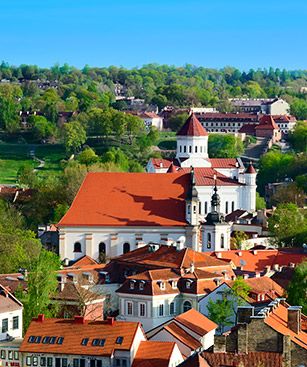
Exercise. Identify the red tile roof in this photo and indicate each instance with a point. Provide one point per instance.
(74, 332)
(205, 177)
(278, 319)
(129, 199)
(195, 360)
(184, 337)
(153, 354)
(267, 122)
(192, 127)
(196, 322)
(251, 359)
(160, 162)
(250, 169)
(257, 261)
(224, 162)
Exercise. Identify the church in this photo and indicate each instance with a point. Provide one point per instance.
(180, 203)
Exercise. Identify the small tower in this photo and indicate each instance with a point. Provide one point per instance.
(192, 144)
(250, 175)
(192, 214)
(192, 202)
(215, 231)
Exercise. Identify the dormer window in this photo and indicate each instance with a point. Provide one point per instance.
(188, 284)
(162, 285)
(174, 284)
(141, 285)
(132, 284)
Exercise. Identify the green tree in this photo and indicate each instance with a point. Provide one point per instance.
(42, 128)
(10, 107)
(260, 202)
(287, 224)
(220, 312)
(241, 290)
(297, 288)
(87, 157)
(224, 146)
(74, 136)
(298, 138)
(238, 237)
(177, 121)
(299, 109)
(42, 286)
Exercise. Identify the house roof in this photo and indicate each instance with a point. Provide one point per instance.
(206, 177)
(195, 360)
(192, 127)
(8, 302)
(267, 123)
(182, 335)
(196, 322)
(169, 257)
(250, 359)
(160, 162)
(153, 354)
(13, 281)
(248, 129)
(262, 285)
(251, 260)
(129, 199)
(74, 332)
(224, 162)
(250, 169)
(278, 319)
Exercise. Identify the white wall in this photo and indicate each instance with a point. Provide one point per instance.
(15, 333)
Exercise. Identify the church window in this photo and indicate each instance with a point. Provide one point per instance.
(222, 241)
(196, 149)
(201, 149)
(187, 306)
(126, 247)
(226, 207)
(184, 148)
(199, 207)
(180, 148)
(172, 308)
(190, 149)
(209, 240)
(77, 247)
(206, 207)
(194, 209)
(232, 206)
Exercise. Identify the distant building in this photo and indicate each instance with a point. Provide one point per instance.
(268, 106)
(151, 119)
(267, 128)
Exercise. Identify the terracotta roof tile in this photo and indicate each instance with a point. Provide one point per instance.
(148, 199)
(267, 122)
(196, 322)
(181, 335)
(153, 354)
(73, 333)
(224, 162)
(192, 127)
(160, 162)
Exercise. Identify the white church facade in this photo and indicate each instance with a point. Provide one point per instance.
(114, 213)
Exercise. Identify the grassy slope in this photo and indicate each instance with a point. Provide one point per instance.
(14, 156)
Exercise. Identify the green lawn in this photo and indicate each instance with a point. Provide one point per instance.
(14, 156)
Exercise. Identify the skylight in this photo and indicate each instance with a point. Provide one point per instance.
(38, 339)
(31, 339)
(84, 341)
(46, 339)
(119, 339)
(95, 342)
(52, 340)
(101, 342)
(60, 340)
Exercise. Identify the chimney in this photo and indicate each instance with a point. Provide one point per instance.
(245, 276)
(41, 317)
(294, 318)
(110, 321)
(255, 252)
(257, 274)
(276, 267)
(244, 314)
(217, 281)
(79, 320)
(239, 253)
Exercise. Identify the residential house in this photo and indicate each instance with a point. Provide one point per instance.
(191, 330)
(268, 106)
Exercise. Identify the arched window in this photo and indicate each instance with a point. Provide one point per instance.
(195, 148)
(184, 148)
(126, 247)
(187, 306)
(77, 247)
(222, 241)
(209, 240)
(102, 248)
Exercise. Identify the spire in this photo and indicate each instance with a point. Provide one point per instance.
(192, 193)
(192, 127)
(215, 216)
(250, 169)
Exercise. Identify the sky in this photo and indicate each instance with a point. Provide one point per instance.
(130, 33)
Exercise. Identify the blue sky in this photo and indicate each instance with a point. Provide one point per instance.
(211, 33)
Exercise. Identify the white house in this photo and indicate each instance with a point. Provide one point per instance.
(10, 315)
(192, 331)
